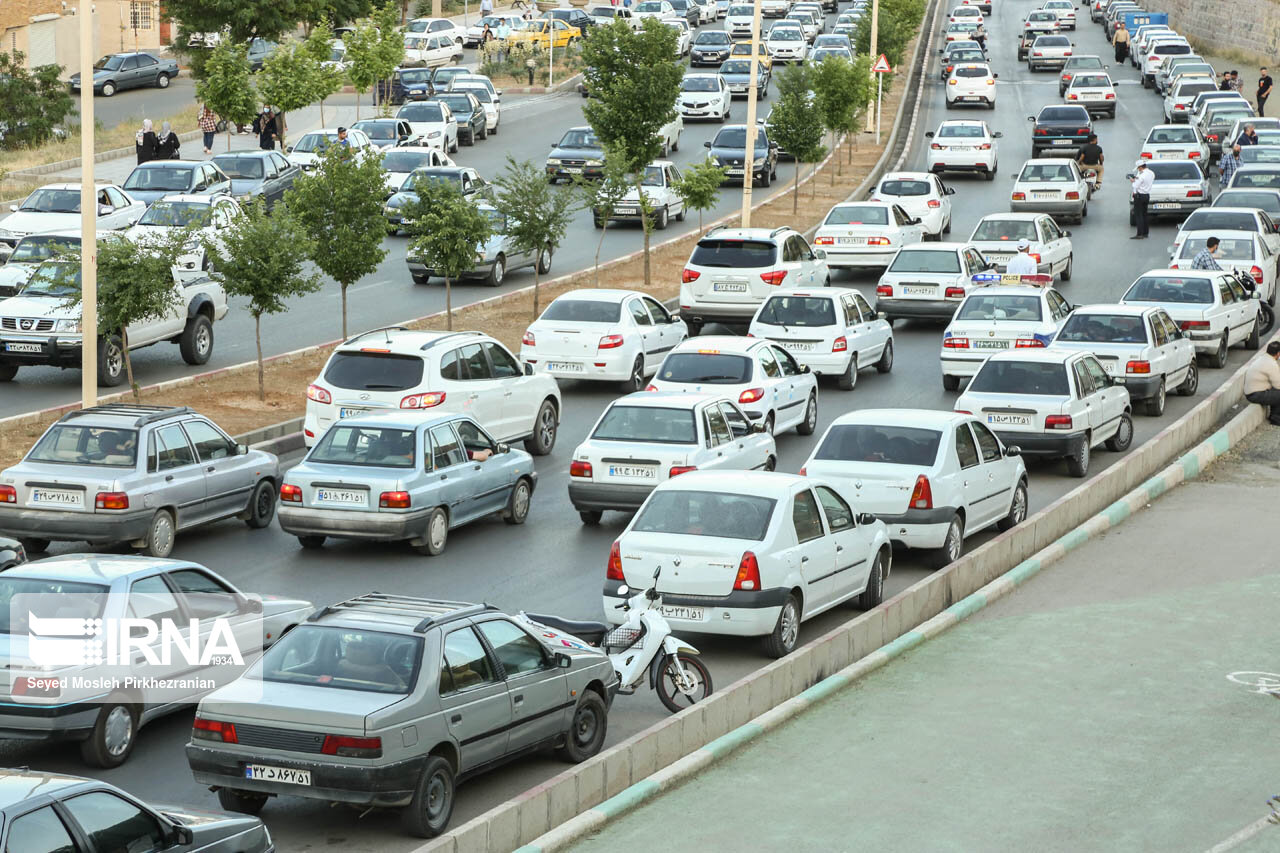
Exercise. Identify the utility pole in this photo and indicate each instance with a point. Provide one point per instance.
(748, 162)
(88, 220)
(875, 32)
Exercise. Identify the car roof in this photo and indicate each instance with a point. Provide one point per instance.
(746, 233)
(398, 419)
(814, 293)
(167, 164)
(759, 483)
(1016, 216)
(18, 785)
(1172, 273)
(667, 399)
(243, 152)
(976, 122)
(1045, 356)
(728, 344)
(206, 200)
(996, 288)
(907, 176)
(401, 340)
(941, 246)
(1220, 233)
(385, 612)
(1228, 209)
(1052, 161)
(901, 417)
(92, 568)
(1116, 308)
(603, 294)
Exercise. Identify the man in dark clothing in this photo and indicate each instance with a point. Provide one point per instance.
(265, 126)
(1225, 85)
(1091, 158)
(1264, 90)
(1248, 136)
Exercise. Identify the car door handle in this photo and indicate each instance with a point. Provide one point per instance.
(518, 699)
(508, 394)
(444, 476)
(210, 469)
(168, 478)
(455, 719)
(804, 559)
(839, 548)
(476, 466)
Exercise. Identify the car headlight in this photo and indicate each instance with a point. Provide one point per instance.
(433, 134)
(595, 162)
(66, 326)
(6, 234)
(551, 161)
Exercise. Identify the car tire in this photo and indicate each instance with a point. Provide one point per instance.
(34, 546)
(782, 640)
(112, 737)
(1254, 340)
(663, 219)
(950, 383)
(1084, 214)
(110, 361)
(1078, 462)
(1133, 217)
(770, 464)
(597, 221)
(262, 505)
(1120, 442)
(1017, 508)
(885, 364)
(847, 380)
(108, 89)
(1154, 405)
(1191, 382)
(429, 810)
(311, 543)
(952, 545)
(544, 261)
(421, 279)
(587, 729)
(518, 504)
(498, 273)
(543, 439)
(8, 372)
(484, 134)
(162, 81)
(680, 215)
(1219, 358)
(990, 174)
(393, 230)
(871, 597)
(196, 343)
(160, 535)
(1066, 273)
(810, 422)
(590, 516)
(241, 802)
(946, 229)
(635, 382)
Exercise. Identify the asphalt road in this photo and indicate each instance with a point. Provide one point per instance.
(555, 564)
(133, 105)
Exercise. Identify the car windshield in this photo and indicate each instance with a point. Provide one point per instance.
(52, 201)
(1208, 219)
(583, 311)
(916, 260)
(434, 175)
(857, 214)
(1226, 118)
(417, 26)
(1229, 248)
(240, 167)
(459, 103)
(1103, 329)
(1000, 306)
(717, 37)
(415, 77)
(164, 178)
(1168, 288)
(693, 513)
(904, 187)
(603, 12)
(57, 279)
(1021, 377)
(1057, 173)
(647, 424)
(972, 71)
(343, 658)
(960, 131)
(1188, 90)
(337, 53)
(373, 371)
(650, 6)
(360, 445)
(1176, 171)
(892, 445)
(652, 176)
(966, 56)
(85, 445)
(404, 161)
(1005, 230)
(36, 248)
(177, 214)
(1268, 201)
(1063, 114)
(1053, 41)
(108, 63)
(737, 66)
(797, 311)
(1167, 135)
(786, 34)
(700, 84)
(580, 138)
(736, 137)
(708, 368)
(711, 252)
(421, 111)
(377, 129)
(64, 599)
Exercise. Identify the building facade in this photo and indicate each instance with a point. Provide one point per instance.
(47, 31)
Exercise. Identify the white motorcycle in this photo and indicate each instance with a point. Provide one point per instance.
(642, 647)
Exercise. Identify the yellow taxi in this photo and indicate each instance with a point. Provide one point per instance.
(539, 33)
(743, 49)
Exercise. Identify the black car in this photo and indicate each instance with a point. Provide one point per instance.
(1060, 128)
(467, 179)
(960, 57)
(411, 84)
(467, 111)
(258, 175)
(117, 71)
(259, 50)
(688, 10)
(574, 18)
(579, 152)
(11, 553)
(729, 149)
(710, 47)
(387, 133)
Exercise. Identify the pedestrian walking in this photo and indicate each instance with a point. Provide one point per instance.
(1121, 42)
(1143, 181)
(145, 142)
(1227, 165)
(486, 7)
(167, 143)
(265, 126)
(1090, 157)
(1262, 382)
(1264, 90)
(208, 126)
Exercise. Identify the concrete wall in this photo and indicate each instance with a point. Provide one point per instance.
(1250, 26)
(113, 27)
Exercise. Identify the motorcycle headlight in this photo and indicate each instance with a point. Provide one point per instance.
(66, 326)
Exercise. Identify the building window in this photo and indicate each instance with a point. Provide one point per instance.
(140, 14)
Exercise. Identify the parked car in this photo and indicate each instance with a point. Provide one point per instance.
(56, 207)
(157, 178)
(257, 175)
(1242, 251)
(386, 133)
(309, 150)
(467, 179)
(117, 71)
(202, 218)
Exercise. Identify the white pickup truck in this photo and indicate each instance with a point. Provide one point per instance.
(41, 325)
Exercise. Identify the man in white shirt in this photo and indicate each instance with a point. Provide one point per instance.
(1022, 263)
(1142, 184)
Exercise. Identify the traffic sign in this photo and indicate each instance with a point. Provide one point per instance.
(882, 65)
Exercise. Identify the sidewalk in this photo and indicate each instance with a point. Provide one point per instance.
(1089, 710)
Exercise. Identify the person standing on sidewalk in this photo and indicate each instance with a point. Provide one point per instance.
(145, 142)
(1142, 184)
(1121, 40)
(208, 126)
(168, 143)
(1262, 382)
(1225, 85)
(486, 7)
(1227, 165)
(1264, 90)
(265, 126)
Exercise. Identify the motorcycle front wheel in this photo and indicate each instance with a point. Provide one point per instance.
(696, 687)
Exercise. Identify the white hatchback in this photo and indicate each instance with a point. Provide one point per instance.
(922, 195)
(704, 95)
(787, 43)
(971, 83)
(964, 146)
(928, 280)
(1209, 307)
(932, 477)
(602, 335)
(998, 234)
(998, 316)
(833, 332)
(866, 234)
(1244, 251)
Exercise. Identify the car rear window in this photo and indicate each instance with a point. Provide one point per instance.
(915, 260)
(1167, 135)
(970, 71)
(1103, 328)
(373, 371)
(1260, 154)
(1229, 248)
(583, 311)
(1005, 229)
(1081, 81)
(1002, 306)
(1256, 179)
(1171, 49)
(1063, 114)
(696, 513)
(1055, 174)
(893, 445)
(66, 599)
(1187, 90)
(345, 658)
(87, 445)
(733, 253)
(1176, 171)
(1168, 288)
(1267, 201)
(707, 368)
(857, 214)
(647, 423)
(904, 187)
(360, 445)
(798, 311)
(1209, 219)
(1021, 377)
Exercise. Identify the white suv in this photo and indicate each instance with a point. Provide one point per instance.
(465, 372)
(733, 270)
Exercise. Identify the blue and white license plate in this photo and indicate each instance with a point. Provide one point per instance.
(57, 497)
(353, 497)
(351, 412)
(643, 472)
(288, 775)
(565, 366)
(24, 347)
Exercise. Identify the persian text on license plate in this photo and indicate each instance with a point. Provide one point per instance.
(1044, 195)
(644, 472)
(1009, 420)
(990, 344)
(266, 773)
(1165, 205)
(351, 412)
(729, 287)
(565, 366)
(1062, 142)
(358, 497)
(692, 614)
(796, 346)
(1108, 365)
(58, 497)
(919, 289)
(852, 241)
(24, 347)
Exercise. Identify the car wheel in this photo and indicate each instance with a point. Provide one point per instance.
(393, 230)
(885, 364)
(110, 361)
(849, 378)
(1192, 380)
(544, 431)
(680, 215)
(874, 593)
(597, 221)
(1084, 213)
(241, 802)
(262, 506)
(196, 343)
(786, 631)
(311, 543)
(163, 81)
(769, 422)
(770, 464)
(662, 220)
(435, 534)
(112, 737)
(635, 382)
(34, 546)
(544, 261)
(990, 174)
(590, 516)
(429, 811)
(1133, 217)
(1120, 442)
(108, 89)
(1066, 273)
(1254, 340)
(1219, 358)
(683, 684)
(1017, 508)
(160, 535)
(1155, 404)
(810, 422)
(950, 383)
(952, 545)
(498, 272)
(1078, 462)
(518, 504)
(421, 279)
(587, 729)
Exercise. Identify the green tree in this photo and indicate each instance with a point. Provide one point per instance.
(603, 196)
(227, 87)
(327, 79)
(263, 260)
(537, 214)
(363, 58)
(390, 52)
(317, 12)
(447, 229)
(32, 101)
(699, 187)
(339, 206)
(627, 109)
(796, 125)
(836, 90)
(898, 22)
(239, 21)
(288, 80)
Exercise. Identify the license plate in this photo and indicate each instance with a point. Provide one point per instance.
(644, 472)
(1092, 96)
(574, 170)
(999, 259)
(919, 289)
(357, 497)
(565, 366)
(852, 241)
(351, 412)
(1044, 195)
(1170, 155)
(964, 148)
(1009, 420)
(627, 211)
(24, 347)
(1165, 205)
(288, 775)
(690, 614)
(797, 347)
(990, 344)
(729, 287)
(1062, 142)
(57, 497)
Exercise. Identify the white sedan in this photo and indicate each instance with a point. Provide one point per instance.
(704, 96)
(832, 331)
(932, 477)
(1051, 403)
(866, 234)
(399, 163)
(433, 123)
(1139, 347)
(602, 335)
(1065, 10)
(922, 195)
(928, 281)
(1093, 91)
(971, 83)
(787, 43)
(56, 207)
(998, 234)
(202, 217)
(767, 381)
(644, 439)
(1240, 210)
(964, 146)
(1048, 52)
(310, 148)
(1051, 185)
(734, 547)
(658, 9)
(1244, 251)
(998, 316)
(1209, 307)
(684, 36)
(1175, 142)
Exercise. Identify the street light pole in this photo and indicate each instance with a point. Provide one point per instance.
(875, 32)
(748, 162)
(88, 220)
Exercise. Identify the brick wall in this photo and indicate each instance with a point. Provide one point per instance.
(1250, 26)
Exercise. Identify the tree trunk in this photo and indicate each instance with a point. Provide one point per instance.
(321, 113)
(813, 181)
(535, 290)
(835, 157)
(128, 365)
(257, 334)
(599, 245)
(644, 225)
(358, 93)
(230, 124)
(795, 191)
(343, 285)
(699, 221)
(448, 303)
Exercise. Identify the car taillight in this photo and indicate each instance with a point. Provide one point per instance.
(1057, 422)
(291, 493)
(1067, 53)
(1028, 343)
(775, 278)
(1066, 76)
(1212, 137)
(1110, 96)
(111, 500)
(921, 494)
(319, 394)
(8, 495)
(1145, 155)
(879, 241)
(1179, 106)
(963, 412)
(42, 687)
(990, 82)
(1191, 155)
(841, 344)
(1195, 193)
(951, 82)
(427, 400)
(1040, 132)
(986, 146)
(651, 387)
(1193, 324)
(689, 275)
(677, 470)
(580, 469)
(934, 203)
(955, 343)
(935, 146)
(1073, 97)
(202, 729)
(1082, 131)
(394, 500)
(1019, 196)
(1138, 367)
(529, 339)
(352, 747)
(954, 293)
(751, 395)
(614, 570)
(884, 290)
(748, 572)
(610, 342)
(1073, 194)
(1256, 272)
(824, 241)
(1038, 53)
(1036, 256)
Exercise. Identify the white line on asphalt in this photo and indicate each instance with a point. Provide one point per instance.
(1242, 836)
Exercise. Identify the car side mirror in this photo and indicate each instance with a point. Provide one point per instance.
(673, 317)
(288, 149)
(820, 254)
(180, 835)
(242, 449)
(758, 427)
(995, 76)
(1013, 450)
(13, 208)
(504, 448)
(105, 209)
(914, 221)
(866, 518)
(928, 135)
(528, 369)
(949, 191)
(997, 135)
(1066, 233)
(880, 315)
(563, 661)
(806, 369)
(707, 144)
(1031, 118)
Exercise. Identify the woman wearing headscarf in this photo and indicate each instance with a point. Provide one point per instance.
(168, 144)
(145, 142)
(265, 126)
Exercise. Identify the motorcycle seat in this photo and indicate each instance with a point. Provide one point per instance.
(590, 632)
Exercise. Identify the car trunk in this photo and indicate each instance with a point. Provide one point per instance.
(346, 487)
(579, 340)
(883, 488)
(52, 486)
(707, 565)
(631, 463)
(266, 713)
(1112, 356)
(996, 336)
(800, 339)
(1023, 413)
